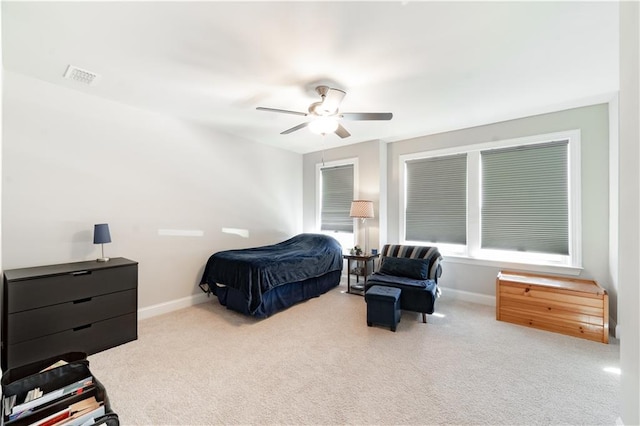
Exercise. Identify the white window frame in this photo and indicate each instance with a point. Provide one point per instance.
(345, 236)
(472, 251)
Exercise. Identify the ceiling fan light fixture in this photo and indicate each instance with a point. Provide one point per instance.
(323, 125)
(325, 116)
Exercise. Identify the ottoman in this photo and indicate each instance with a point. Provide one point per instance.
(383, 306)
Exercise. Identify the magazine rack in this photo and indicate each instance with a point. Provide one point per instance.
(62, 380)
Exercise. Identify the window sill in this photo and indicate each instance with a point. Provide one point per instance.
(550, 269)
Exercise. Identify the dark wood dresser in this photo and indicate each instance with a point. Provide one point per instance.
(82, 306)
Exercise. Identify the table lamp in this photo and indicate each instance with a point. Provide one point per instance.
(101, 236)
(363, 209)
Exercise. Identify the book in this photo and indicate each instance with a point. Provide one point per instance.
(83, 413)
(53, 418)
(59, 363)
(75, 414)
(9, 402)
(26, 418)
(24, 408)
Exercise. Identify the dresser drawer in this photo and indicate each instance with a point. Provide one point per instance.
(34, 323)
(50, 290)
(91, 339)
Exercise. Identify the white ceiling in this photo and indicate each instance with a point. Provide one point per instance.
(437, 66)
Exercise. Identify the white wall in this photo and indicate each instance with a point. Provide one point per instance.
(71, 160)
(1, 116)
(594, 125)
(629, 212)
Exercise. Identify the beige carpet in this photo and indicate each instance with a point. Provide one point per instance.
(319, 363)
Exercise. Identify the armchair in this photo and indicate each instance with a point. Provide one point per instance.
(414, 270)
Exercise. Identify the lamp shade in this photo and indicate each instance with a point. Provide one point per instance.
(101, 233)
(362, 209)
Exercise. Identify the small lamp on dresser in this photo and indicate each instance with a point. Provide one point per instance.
(101, 236)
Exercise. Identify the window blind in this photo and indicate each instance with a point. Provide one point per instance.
(525, 198)
(337, 194)
(436, 200)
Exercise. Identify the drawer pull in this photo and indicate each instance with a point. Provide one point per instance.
(88, 299)
(80, 273)
(82, 327)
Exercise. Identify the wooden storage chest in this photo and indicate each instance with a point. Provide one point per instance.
(571, 306)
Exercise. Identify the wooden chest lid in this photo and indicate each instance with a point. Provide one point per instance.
(564, 283)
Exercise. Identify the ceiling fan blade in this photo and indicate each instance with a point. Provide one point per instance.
(293, 129)
(332, 100)
(284, 111)
(342, 132)
(367, 115)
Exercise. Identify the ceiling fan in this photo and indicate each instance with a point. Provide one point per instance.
(325, 115)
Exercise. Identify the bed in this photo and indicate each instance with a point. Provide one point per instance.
(261, 281)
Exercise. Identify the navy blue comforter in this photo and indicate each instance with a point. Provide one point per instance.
(254, 271)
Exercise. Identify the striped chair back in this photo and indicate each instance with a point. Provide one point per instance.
(415, 252)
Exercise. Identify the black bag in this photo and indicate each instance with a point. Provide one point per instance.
(18, 381)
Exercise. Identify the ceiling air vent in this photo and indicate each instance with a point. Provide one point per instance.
(81, 76)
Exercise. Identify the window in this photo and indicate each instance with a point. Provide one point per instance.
(336, 196)
(443, 179)
(525, 198)
(336, 189)
(507, 201)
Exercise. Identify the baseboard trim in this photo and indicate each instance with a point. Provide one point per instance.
(185, 302)
(173, 305)
(467, 296)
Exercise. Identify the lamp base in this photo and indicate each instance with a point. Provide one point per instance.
(102, 259)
